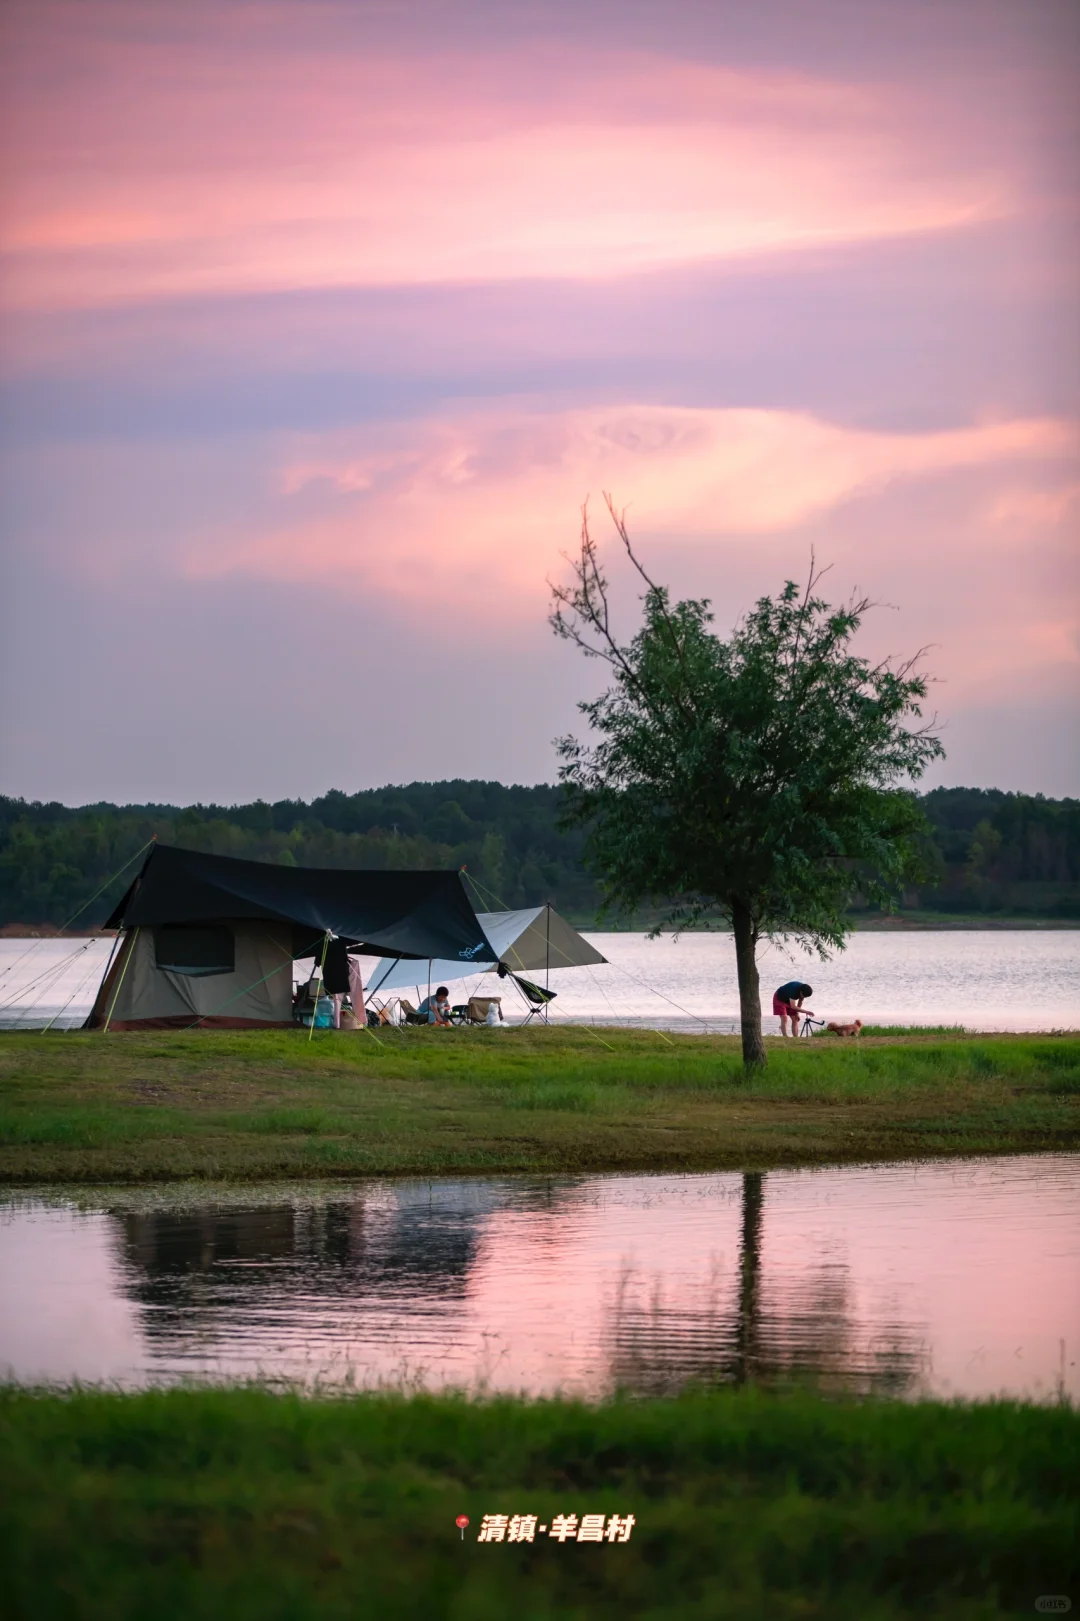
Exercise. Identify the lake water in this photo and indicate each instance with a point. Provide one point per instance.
(1017, 979)
(949, 1278)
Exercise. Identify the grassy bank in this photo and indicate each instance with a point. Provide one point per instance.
(268, 1104)
(252, 1507)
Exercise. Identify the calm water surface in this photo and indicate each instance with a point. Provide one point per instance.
(1019, 979)
(956, 1278)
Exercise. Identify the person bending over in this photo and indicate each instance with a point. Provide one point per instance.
(788, 1001)
(436, 1008)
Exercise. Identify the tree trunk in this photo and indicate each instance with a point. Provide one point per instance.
(753, 1044)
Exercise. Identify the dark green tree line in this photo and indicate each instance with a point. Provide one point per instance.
(991, 852)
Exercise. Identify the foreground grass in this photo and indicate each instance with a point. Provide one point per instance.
(248, 1506)
(264, 1104)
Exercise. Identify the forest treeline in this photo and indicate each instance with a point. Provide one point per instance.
(991, 852)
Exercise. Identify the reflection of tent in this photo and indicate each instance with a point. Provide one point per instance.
(529, 940)
(206, 937)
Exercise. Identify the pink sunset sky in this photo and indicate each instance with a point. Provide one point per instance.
(321, 321)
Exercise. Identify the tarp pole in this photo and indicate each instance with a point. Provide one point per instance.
(120, 981)
(547, 957)
(318, 985)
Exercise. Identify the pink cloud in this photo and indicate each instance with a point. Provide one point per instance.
(468, 516)
(499, 486)
(251, 158)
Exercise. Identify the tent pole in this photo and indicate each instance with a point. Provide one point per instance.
(123, 972)
(547, 961)
(318, 985)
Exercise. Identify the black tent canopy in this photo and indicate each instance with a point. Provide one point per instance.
(209, 936)
(389, 914)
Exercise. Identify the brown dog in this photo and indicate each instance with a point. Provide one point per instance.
(845, 1029)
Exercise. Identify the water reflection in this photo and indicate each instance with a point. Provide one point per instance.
(751, 1336)
(748, 1338)
(892, 1279)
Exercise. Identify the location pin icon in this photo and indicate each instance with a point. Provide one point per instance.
(461, 1522)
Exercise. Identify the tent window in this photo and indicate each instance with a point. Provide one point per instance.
(195, 948)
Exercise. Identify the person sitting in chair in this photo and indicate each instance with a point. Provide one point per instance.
(787, 1002)
(436, 1009)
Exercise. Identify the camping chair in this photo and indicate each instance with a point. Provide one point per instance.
(411, 1015)
(476, 1009)
(536, 996)
(382, 1013)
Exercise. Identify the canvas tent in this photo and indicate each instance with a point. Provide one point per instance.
(531, 940)
(212, 939)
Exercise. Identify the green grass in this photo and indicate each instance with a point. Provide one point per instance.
(869, 1030)
(243, 1505)
(266, 1104)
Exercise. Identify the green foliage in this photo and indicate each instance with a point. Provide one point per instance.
(762, 779)
(243, 1505)
(1002, 853)
(757, 774)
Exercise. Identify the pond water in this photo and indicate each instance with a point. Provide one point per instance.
(951, 1278)
(1008, 979)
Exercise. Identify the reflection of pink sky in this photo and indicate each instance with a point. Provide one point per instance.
(83, 1310)
(989, 1299)
(970, 1268)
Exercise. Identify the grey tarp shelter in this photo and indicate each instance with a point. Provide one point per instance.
(533, 939)
(211, 939)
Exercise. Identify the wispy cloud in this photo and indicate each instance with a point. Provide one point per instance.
(323, 318)
(491, 495)
(231, 163)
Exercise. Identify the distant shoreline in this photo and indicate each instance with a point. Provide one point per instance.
(904, 924)
(883, 925)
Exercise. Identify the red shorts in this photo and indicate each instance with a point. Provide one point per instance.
(782, 1008)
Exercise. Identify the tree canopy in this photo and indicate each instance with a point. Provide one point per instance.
(762, 779)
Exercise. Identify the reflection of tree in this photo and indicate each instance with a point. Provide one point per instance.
(236, 1271)
(300, 1277)
(197, 1274)
(806, 1333)
(748, 1326)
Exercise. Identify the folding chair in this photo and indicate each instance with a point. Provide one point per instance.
(536, 996)
(476, 1009)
